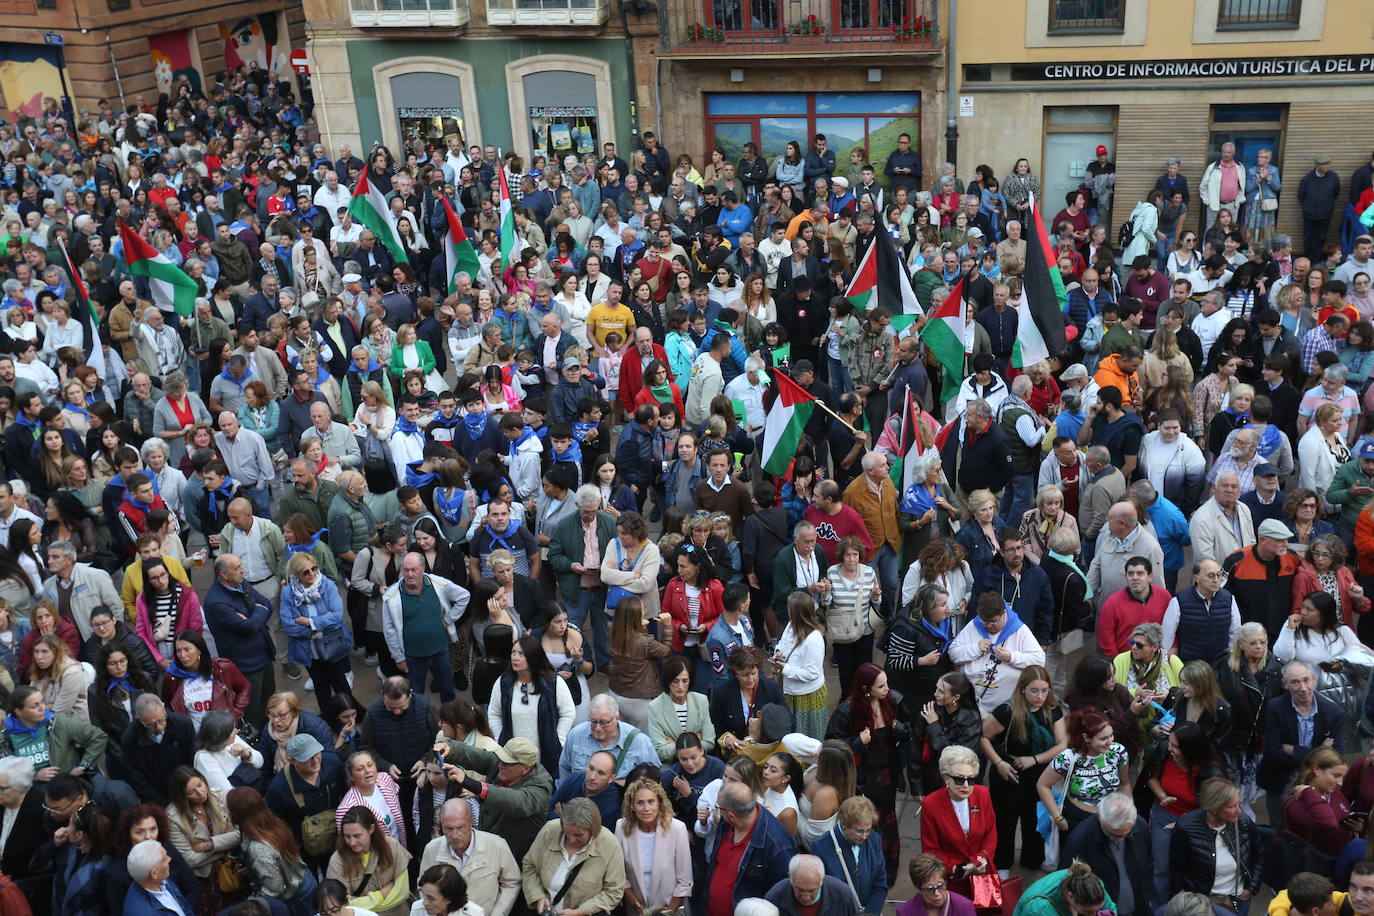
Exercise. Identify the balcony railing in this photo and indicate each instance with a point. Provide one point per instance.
(728, 28)
(1258, 14)
(408, 14)
(547, 12)
(1087, 16)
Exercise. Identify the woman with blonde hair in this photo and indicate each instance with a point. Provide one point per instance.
(59, 677)
(1164, 352)
(658, 856)
(375, 414)
(1048, 516)
(800, 654)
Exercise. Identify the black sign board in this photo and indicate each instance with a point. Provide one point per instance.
(1205, 68)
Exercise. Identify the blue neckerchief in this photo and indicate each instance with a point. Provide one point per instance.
(321, 376)
(123, 683)
(247, 377)
(574, 453)
(1236, 418)
(1013, 624)
(446, 422)
(416, 479)
(372, 366)
(145, 507)
(499, 540)
(76, 408)
(177, 671)
(306, 548)
(449, 506)
(23, 420)
(227, 489)
(15, 727)
(543, 431)
(942, 633)
(476, 424)
(580, 430)
(525, 435)
(917, 500)
(1269, 442)
(406, 425)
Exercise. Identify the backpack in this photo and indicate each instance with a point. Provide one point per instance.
(1125, 233)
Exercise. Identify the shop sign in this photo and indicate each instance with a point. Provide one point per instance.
(430, 112)
(54, 38)
(562, 111)
(1206, 68)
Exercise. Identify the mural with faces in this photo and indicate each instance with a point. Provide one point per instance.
(261, 40)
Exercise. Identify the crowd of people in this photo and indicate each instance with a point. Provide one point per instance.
(1107, 603)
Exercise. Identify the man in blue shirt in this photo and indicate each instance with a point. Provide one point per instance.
(604, 731)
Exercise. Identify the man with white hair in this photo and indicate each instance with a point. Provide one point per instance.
(1295, 724)
(576, 565)
(1117, 844)
(748, 388)
(159, 344)
(250, 464)
(1223, 524)
(748, 855)
(874, 497)
(808, 889)
(1024, 430)
(483, 859)
(152, 894)
(604, 731)
(332, 196)
(21, 817)
(340, 445)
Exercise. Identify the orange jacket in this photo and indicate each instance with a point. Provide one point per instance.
(1109, 373)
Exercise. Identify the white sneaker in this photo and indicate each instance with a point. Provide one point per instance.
(309, 684)
(349, 675)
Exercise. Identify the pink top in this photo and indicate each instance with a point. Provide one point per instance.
(1230, 183)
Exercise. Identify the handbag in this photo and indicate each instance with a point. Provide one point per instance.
(230, 876)
(987, 891)
(616, 592)
(318, 833)
(1289, 854)
(1269, 204)
(331, 644)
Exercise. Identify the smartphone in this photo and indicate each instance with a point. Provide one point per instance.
(439, 758)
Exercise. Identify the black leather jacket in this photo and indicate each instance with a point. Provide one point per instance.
(1193, 854)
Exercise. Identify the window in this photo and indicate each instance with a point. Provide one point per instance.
(746, 15)
(849, 120)
(408, 13)
(875, 14)
(1258, 14)
(547, 12)
(1087, 16)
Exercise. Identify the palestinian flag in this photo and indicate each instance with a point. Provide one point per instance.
(881, 279)
(1043, 298)
(510, 245)
(943, 336)
(460, 256)
(908, 444)
(82, 310)
(368, 207)
(1029, 347)
(782, 430)
(172, 290)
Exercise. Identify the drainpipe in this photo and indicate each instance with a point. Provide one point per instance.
(951, 91)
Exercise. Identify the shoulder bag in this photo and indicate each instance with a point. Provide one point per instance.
(317, 830)
(616, 592)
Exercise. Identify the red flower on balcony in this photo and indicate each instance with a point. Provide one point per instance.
(810, 25)
(910, 29)
(698, 32)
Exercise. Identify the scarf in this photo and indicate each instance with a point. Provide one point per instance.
(15, 727)
(1068, 561)
(1013, 624)
(917, 500)
(306, 594)
(499, 540)
(1237, 419)
(240, 382)
(476, 424)
(573, 454)
(1269, 441)
(406, 425)
(123, 683)
(175, 670)
(283, 738)
(662, 393)
(450, 506)
(580, 430)
(416, 479)
(372, 366)
(306, 548)
(321, 376)
(144, 507)
(226, 489)
(942, 633)
(76, 408)
(525, 436)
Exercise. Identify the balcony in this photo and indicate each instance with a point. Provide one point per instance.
(751, 28)
(538, 13)
(408, 14)
(1087, 17)
(1258, 14)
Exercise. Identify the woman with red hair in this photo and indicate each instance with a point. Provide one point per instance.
(1092, 767)
(868, 722)
(270, 852)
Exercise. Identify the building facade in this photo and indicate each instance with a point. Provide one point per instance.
(1151, 79)
(128, 51)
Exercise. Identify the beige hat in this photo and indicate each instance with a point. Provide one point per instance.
(840, 182)
(518, 750)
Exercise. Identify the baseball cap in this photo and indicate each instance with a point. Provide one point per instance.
(518, 750)
(1322, 159)
(1101, 150)
(1273, 528)
(571, 361)
(1265, 469)
(1367, 450)
(801, 366)
(302, 747)
(975, 233)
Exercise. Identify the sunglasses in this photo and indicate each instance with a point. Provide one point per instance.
(961, 780)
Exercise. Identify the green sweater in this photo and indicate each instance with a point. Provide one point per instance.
(1044, 899)
(1349, 475)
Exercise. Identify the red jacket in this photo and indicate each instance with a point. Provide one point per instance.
(134, 521)
(675, 605)
(942, 837)
(1305, 583)
(68, 633)
(230, 689)
(632, 376)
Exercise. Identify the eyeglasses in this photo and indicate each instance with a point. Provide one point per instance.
(961, 780)
(1322, 553)
(310, 569)
(601, 723)
(1137, 644)
(932, 888)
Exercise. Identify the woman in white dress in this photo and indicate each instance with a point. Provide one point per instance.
(782, 776)
(825, 786)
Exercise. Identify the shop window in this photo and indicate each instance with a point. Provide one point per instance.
(1258, 14)
(560, 120)
(1251, 128)
(429, 108)
(1087, 16)
(871, 121)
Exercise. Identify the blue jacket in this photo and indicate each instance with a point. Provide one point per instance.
(238, 621)
(327, 616)
(1171, 530)
(1031, 598)
(634, 455)
(764, 862)
(670, 482)
(734, 222)
(139, 902)
(868, 872)
(574, 785)
(721, 641)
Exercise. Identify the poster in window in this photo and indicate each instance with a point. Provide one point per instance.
(557, 130)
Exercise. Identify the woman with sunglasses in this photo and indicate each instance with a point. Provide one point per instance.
(958, 824)
(530, 701)
(313, 617)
